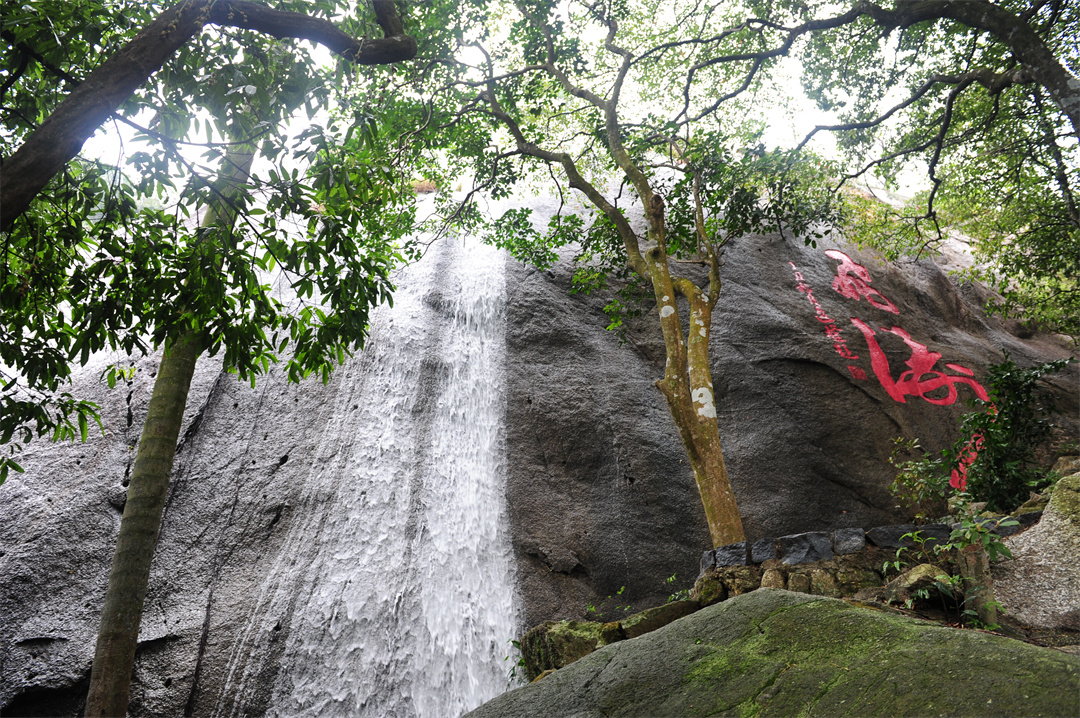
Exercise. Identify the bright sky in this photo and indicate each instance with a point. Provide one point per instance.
(789, 123)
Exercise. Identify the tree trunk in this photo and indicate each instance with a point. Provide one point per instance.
(687, 385)
(978, 583)
(114, 656)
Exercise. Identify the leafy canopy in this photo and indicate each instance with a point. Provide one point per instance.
(113, 254)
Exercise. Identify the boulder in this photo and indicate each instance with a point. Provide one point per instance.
(805, 548)
(890, 536)
(1066, 465)
(773, 652)
(653, 618)
(595, 464)
(1041, 584)
(555, 644)
(599, 494)
(848, 540)
(905, 586)
(762, 550)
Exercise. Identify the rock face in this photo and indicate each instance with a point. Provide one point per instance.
(777, 653)
(598, 492)
(1041, 585)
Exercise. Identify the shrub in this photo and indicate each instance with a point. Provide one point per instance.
(1007, 430)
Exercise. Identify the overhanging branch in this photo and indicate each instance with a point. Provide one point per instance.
(61, 136)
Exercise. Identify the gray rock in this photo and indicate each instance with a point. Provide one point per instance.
(1006, 526)
(805, 548)
(1029, 518)
(1066, 465)
(1041, 584)
(890, 536)
(733, 554)
(846, 541)
(934, 534)
(763, 550)
(598, 467)
(708, 560)
(599, 493)
(772, 652)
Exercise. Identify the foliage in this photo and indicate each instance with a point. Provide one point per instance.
(921, 485)
(110, 254)
(1005, 471)
(971, 532)
(516, 674)
(1010, 429)
(598, 610)
(966, 107)
(680, 595)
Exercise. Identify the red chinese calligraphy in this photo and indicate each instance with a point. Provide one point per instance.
(853, 281)
(921, 364)
(831, 330)
(958, 478)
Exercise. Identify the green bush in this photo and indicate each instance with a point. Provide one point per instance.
(1008, 430)
(1013, 424)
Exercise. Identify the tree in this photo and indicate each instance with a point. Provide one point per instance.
(984, 99)
(666, 99)
(52, 101)
(94, 259)
(550, 83)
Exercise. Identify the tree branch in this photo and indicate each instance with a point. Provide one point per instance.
(1011, 30)
(61, 136)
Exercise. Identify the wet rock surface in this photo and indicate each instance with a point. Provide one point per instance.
(778, 653)
(599, 494)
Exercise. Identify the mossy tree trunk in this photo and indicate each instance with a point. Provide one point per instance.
(978, 583)
(110, 678)
(687, 384)
(118, 633)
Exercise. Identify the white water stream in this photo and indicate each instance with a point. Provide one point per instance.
(393, 593)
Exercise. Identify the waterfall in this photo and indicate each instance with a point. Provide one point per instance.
(393, 594)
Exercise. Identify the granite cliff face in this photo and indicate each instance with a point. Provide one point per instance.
(599, 494)
(268, 531)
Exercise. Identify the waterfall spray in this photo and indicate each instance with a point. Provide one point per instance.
(393, 594)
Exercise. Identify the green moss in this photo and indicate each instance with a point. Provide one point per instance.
(555, 644)
(1066, 498)
(777, 653)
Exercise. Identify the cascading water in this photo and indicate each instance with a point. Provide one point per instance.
(393, 593)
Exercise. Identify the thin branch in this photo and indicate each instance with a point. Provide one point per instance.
(995, 83)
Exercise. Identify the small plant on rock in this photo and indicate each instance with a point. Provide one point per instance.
(680, 595)
(516, 674)
(597, 611)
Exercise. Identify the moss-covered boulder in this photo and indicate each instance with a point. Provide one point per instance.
(653, 618)
(555, 644)
(773, 652)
